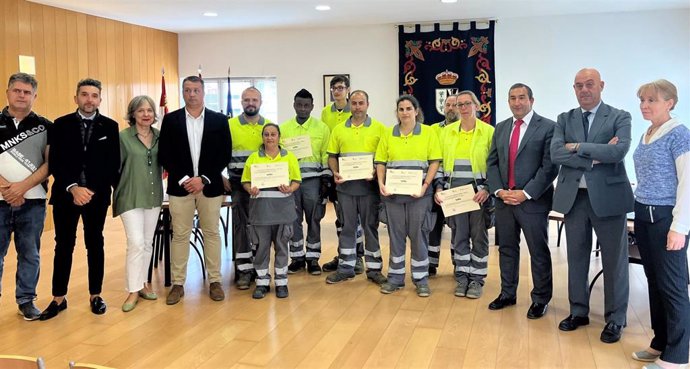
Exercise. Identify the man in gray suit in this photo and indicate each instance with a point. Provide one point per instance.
(593, 191)
(520, 173)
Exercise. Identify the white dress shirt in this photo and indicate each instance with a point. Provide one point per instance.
(195, 132)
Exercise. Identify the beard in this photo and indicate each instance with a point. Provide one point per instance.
(252, 112)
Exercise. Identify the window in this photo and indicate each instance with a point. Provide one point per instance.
(216, 97)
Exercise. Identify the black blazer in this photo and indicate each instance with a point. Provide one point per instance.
(100, 162)
(534, 171)
(176, 158)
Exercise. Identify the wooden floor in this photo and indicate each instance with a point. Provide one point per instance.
(350, 325)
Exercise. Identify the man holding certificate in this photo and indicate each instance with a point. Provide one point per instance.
(521, 174)
(307, 138)
(407, 159)
(270, 176)
(351, 149)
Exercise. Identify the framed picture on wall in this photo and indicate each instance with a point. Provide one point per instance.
(327, 94)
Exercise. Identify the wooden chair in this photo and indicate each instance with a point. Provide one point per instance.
(73, 365)
(21, 362)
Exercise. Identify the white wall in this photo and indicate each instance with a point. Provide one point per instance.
(543, 52)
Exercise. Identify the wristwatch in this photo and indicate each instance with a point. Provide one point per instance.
(204, 180)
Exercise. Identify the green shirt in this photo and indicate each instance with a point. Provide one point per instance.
(141, 184)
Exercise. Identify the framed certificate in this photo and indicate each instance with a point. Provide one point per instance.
(404, 181)
(270, 175)
(356, 167)
(300, 146)
(458, 200)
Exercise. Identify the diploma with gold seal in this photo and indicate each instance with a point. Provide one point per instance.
(458, 200)
(300, 146)
(404, 181)
(356, 167)
(270, 175)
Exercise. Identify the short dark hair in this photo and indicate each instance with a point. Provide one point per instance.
(340, 79)
(521, 85)
(24, 78)
(415, 104)
(304, 94)
(366, 95)
(194, 79)
(89, 82)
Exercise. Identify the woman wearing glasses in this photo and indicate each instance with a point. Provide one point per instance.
(139, 195)
(466, 146)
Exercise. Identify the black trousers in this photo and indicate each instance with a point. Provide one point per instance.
(66, 218)
(667, 282)
(510, 220)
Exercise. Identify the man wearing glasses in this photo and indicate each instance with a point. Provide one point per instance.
(334, 114)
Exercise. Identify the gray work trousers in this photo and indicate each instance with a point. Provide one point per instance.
(278, 235)
(309, 205)
(365, 208)
(406, 220)
(470, 261)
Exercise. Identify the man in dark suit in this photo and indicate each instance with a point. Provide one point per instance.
(194, 147)
(520, 173)
(593, 191)
(84, 162)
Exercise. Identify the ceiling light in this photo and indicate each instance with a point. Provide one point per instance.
(323, 8)
(210, 14)
(449, 1)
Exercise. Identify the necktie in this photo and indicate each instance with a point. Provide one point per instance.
(512, 153)
(585, 122)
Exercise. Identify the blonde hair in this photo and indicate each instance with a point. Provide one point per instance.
(664, 88)
(471, 95)
(135, 104)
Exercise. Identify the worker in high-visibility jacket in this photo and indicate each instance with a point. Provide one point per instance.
(309, 138)
(245, 130)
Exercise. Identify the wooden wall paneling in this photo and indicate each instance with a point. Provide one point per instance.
(69, 46)
(11, 37)
(101, 39)
(94, 46)
(24, 28)
(38, 46)
(82, 45)
(135, 67)
(51, 77)
(142, 78)
(72, 56)
(127, 63)
(65, 87)
(153, 68)
(122, 92)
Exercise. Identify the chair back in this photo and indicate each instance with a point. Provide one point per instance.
(21, 362)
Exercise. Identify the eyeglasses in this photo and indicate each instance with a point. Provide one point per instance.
(463, 105)
(149, 157)
(338, 88)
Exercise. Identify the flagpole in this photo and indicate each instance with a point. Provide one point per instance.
(163, 105)
(229, 97)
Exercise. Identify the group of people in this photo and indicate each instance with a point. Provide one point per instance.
(206, 155)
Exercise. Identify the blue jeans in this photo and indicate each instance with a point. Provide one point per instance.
(26, 222)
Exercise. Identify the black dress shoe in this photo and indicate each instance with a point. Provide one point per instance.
(53, 310)
(537, 310)
(97, 305)
(572, 322)
(611, 333)
(501, 302)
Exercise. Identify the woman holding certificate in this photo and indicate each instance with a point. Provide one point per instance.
(270, 176)
(407, 159)
(466, 146)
